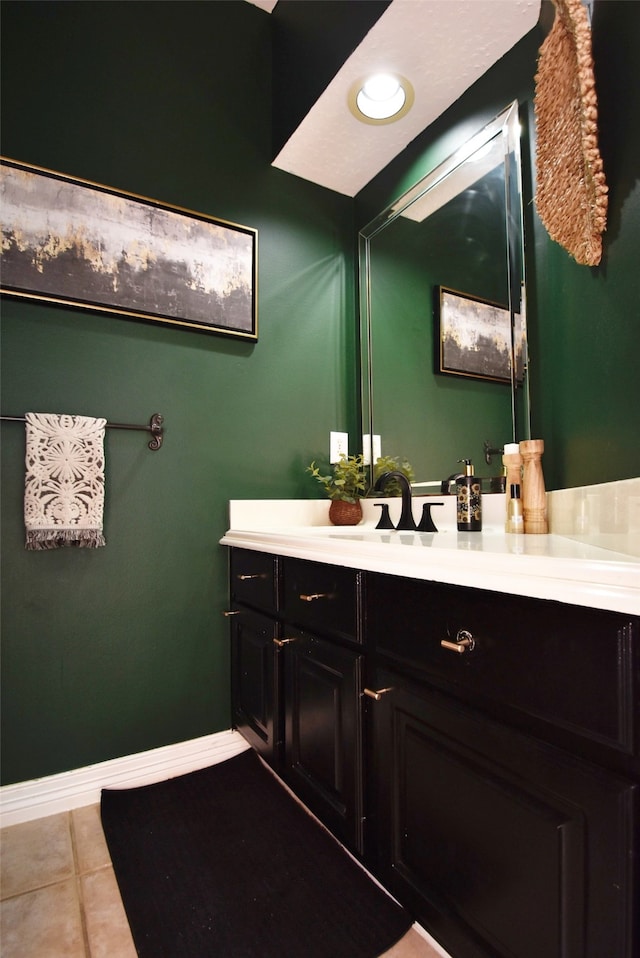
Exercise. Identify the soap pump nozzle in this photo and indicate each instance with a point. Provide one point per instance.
(468, 466)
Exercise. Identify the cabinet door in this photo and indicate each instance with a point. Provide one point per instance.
(501, 846)
(323, 755)
(255, 682)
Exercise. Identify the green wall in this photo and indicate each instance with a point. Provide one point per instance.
(117, 650)
(585, 383)
(121, 649)
(583, 322)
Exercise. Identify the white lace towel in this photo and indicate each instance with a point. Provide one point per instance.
(64, 483)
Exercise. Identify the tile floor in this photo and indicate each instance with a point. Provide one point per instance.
(60, 898)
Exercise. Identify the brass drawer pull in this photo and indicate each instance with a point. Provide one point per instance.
(229, 612)
(377, 695)
(281, 642)
(315, 595)
(257, 575)
(464, 642)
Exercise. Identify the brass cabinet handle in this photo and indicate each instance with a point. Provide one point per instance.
(377, 695)
(281, 642)
(257, 575)
(229, 612)
(464, 642)
(312, 596)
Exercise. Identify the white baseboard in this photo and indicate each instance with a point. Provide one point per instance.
(39, 797)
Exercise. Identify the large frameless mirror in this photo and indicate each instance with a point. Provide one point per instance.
(443, 313)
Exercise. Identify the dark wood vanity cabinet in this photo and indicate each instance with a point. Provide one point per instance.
(498, 844)
(256, 674)
(494, 791)
(297, 680)
(490, 818)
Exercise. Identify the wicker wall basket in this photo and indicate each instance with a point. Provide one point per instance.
(571, 193)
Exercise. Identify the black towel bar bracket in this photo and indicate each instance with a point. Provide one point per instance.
(155, 427)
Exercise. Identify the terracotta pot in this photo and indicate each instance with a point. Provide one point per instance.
(345, 513)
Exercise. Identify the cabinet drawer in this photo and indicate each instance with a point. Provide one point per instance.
(321, 597)
(254, 579)
(566, 665)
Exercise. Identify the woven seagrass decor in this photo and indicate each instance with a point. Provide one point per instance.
(571, 195)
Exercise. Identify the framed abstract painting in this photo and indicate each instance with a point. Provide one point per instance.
(76, 243)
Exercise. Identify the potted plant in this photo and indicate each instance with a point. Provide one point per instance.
(346, 485)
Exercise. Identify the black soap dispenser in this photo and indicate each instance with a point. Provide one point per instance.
(469, 505)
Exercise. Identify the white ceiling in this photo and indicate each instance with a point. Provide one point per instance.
(441, 46)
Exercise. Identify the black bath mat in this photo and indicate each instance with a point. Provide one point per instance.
(224, 863)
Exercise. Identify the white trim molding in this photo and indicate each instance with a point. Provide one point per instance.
(39, 797)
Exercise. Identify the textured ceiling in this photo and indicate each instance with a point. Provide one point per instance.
(441, 46)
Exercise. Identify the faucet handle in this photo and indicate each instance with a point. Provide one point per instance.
(385, 519)
(426, 523)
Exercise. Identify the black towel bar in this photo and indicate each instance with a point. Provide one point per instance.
(155, 427)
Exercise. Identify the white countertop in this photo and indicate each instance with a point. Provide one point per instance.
(543, 566)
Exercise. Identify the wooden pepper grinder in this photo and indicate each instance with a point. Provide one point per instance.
(534, 498)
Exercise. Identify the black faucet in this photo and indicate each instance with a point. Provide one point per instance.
(406, 523)
(445, 486)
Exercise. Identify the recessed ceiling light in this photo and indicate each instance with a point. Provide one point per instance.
(381, 98)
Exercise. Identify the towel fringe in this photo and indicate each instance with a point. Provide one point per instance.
(38, 540)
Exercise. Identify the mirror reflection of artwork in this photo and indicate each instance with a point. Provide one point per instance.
(474, 337)
(458, 228)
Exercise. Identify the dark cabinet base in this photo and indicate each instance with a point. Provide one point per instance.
(502, 796)
(500, 845)
(296, 694)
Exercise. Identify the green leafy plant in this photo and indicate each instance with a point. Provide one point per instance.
(392, 464)
(347, 481)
